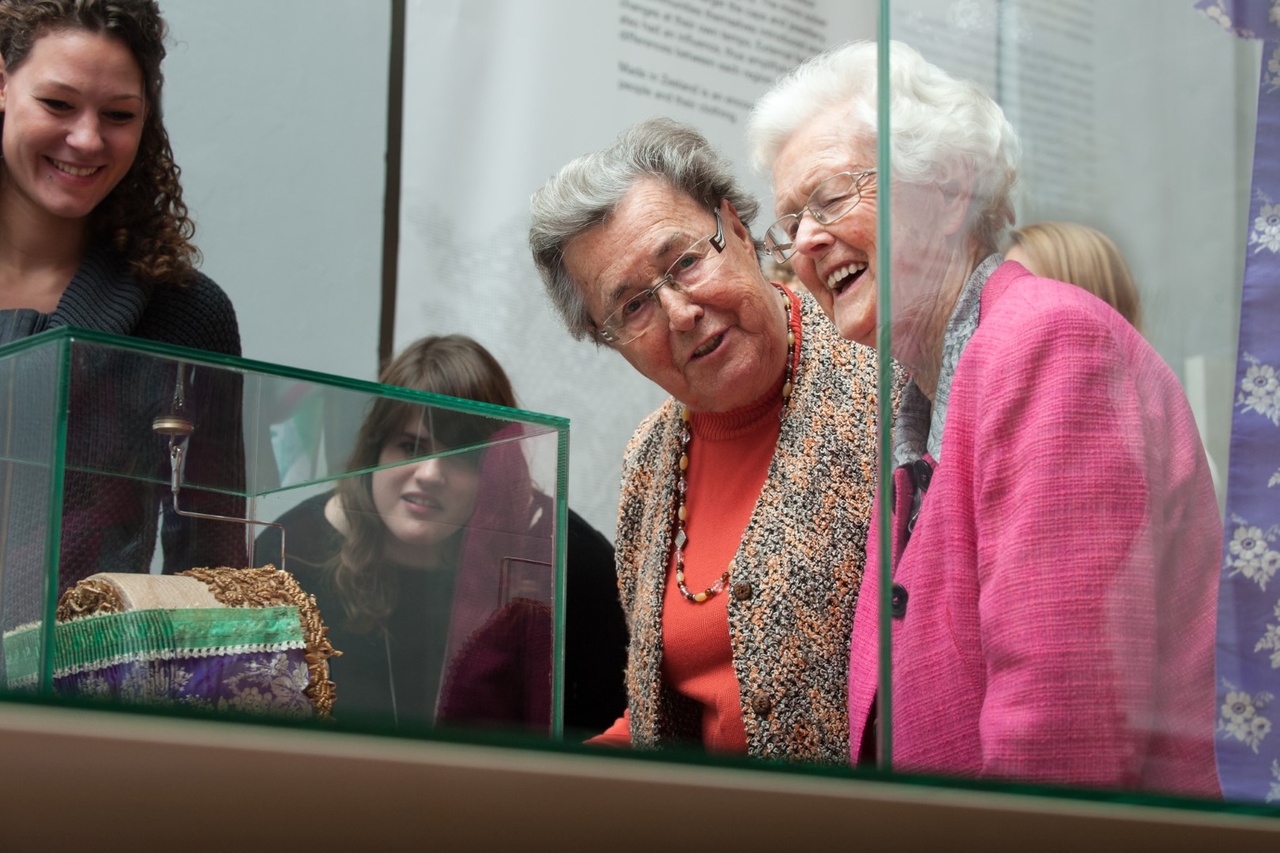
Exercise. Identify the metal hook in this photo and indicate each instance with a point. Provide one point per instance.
(179, 430)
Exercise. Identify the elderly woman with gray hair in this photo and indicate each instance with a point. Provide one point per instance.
(1055, 535)
(745, 496)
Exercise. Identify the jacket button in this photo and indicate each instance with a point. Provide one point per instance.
(761, 704)
(898, 606)
(922, 473)
(742, 590)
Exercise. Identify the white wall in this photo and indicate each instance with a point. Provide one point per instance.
(277, 111)
(499, 95)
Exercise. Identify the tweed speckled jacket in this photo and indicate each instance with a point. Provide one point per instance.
(802, 554)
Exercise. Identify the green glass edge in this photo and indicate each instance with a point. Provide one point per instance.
(246, 365)
(884, 391)
(70, 335)
(561, 585)
(1156, 806)
(53, 534)
(318, 481)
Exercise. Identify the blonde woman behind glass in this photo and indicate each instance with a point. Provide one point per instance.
(1079, 255)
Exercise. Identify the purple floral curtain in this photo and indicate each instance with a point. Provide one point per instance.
(1248, 661)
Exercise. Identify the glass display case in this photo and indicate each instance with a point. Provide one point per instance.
(1075, 569)
(1097, 606)
(205, 532)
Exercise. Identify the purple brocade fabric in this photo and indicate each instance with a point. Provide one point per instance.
(253, 683)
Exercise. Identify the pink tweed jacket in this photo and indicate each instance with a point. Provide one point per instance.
(1060, 580)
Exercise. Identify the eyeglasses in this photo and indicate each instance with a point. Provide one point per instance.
(639, 312)
(829, 201)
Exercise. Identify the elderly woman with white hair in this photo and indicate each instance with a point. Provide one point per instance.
(1055, 535)
(745, 496)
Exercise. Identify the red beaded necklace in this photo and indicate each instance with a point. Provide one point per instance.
(682, 482)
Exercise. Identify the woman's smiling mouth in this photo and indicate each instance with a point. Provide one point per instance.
(838, 281)
(709, 346)
(76, 171)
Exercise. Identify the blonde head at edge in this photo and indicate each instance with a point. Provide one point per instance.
(1079, 255)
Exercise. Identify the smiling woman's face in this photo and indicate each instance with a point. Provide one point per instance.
(73, 116)
(422, 504)
(717, 350)
(836, 262)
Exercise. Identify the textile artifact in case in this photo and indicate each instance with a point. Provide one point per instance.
(124, 464)
(246, 640)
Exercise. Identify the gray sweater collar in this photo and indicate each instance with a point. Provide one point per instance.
(918, 428)
(101, 296)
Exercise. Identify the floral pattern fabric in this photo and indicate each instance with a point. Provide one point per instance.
(250, 660)
(1248, 661)
(255, 683)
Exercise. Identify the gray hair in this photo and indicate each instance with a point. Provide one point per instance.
(940, 126)
(586, 192)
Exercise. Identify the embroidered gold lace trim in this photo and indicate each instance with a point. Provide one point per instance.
(89, 597)
(268, 587)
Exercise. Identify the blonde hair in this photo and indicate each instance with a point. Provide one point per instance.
(1083, 256)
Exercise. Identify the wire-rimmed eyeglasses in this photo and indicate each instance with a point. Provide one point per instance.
(829, 201)
(637, 312)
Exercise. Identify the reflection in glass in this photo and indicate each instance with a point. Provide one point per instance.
(1053, 534)
(454, 481)
(433, 563)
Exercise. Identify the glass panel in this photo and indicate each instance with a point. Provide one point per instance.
(1058, 469)
(32, 406)
(428, 529)
(126, 410)
(440, 591)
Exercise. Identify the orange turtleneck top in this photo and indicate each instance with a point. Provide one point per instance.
(729, 458)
